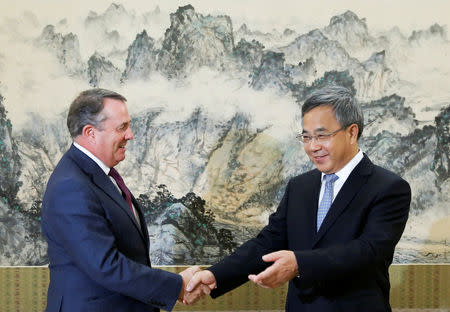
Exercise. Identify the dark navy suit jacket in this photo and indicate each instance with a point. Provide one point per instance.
(344, 266)
(99, 255)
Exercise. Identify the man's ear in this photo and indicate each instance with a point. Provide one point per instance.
(353, 130)
(88, 132)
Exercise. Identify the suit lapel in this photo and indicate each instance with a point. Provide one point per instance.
(143, 226)
(351, 187)
(102, 181)
(312, 196)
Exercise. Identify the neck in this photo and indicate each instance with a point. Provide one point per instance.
(355, 151)
(351, 155)
(85, 144)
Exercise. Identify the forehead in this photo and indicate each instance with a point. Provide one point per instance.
(320, 118)
(115, 109)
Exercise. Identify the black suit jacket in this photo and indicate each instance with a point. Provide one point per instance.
(99, 255)
(344, 266)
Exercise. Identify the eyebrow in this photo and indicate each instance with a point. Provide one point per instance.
(126, 123)
(321, 129)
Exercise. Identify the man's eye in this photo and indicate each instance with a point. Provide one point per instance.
(322, 136)
(306, 138)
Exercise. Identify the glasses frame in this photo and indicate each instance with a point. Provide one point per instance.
(319, 138)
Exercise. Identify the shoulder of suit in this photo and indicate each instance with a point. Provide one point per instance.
(65, 161)
(312, 174)
(67, 164)
(386, 174)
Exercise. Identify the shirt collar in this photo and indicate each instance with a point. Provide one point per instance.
(348, 168)
(104, 167)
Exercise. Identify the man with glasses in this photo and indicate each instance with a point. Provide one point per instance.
(334, 232)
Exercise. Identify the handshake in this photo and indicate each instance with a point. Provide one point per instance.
(196, 284)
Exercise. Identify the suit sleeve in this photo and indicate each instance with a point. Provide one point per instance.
(373, 248)
(75, 220)
(233, 270)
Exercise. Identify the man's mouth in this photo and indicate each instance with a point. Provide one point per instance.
(319, 157)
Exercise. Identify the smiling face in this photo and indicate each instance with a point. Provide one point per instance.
(332, 155)
(114, 132)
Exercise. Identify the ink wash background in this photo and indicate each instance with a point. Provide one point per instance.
(214, 90)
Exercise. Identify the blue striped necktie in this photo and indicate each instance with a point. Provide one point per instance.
(327, 199)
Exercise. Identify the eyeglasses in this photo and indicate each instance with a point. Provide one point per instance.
(320, 138)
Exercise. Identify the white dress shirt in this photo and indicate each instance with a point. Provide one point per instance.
(342, 174)
(106, 170)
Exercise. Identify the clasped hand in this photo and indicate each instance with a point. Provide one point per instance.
(196, 284)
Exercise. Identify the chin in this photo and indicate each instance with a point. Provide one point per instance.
(323, 169)
(320, 165)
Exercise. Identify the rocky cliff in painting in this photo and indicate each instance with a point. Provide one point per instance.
(101, 71)
(441, 163)
(194, 40)
(66, 48)
(214, 113)
(141, 59)
(20, 242)
(10, 162)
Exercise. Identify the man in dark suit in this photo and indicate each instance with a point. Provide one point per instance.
(98, 242)
(334, 232)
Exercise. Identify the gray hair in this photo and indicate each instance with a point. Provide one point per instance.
(87, 108)
(345, 107)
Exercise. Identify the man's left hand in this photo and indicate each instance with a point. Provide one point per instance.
(283, 269)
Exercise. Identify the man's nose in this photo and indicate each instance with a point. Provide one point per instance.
(129, 134)
(314, 145)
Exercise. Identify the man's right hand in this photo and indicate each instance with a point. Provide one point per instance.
(202, 277)
(186, 275)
